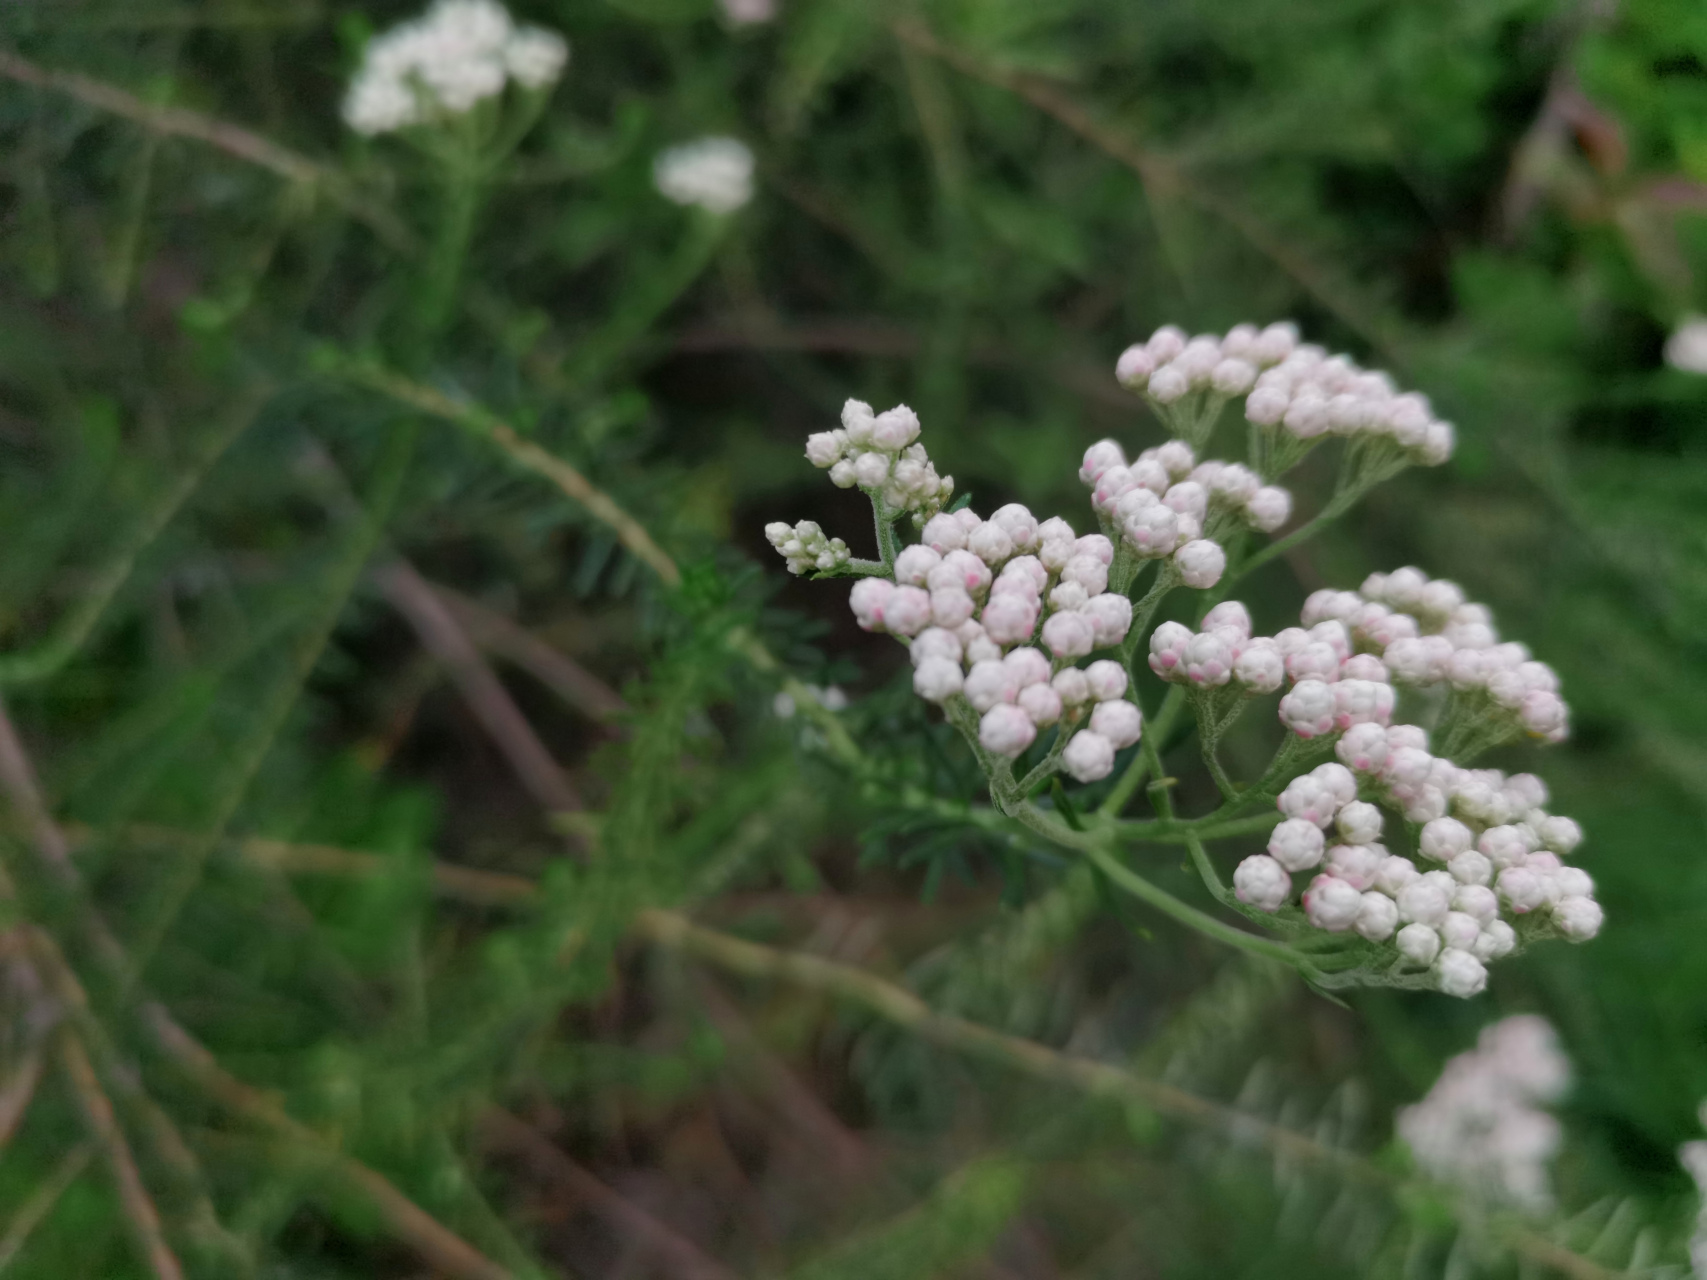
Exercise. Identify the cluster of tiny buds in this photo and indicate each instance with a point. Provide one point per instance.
(1333, 688)
(1290, 387)
(714, 174)
(1693, 1157)
(1482, 1127)
(1499, 852)
(804, 547)
(452, 57)
(1167, 503)
(1428, 635)
(877, 452)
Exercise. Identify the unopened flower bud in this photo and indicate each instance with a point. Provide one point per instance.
(1089, 756)
(1309, 798)
(1296, 844)
(1208, 660)
(935, 642)
(913, 566)
(989, 684)
(1200, 563)
(990, 543)
(1522, 889)
(1394, 874)
(1477, 901)
(1118, 721)
(1110, 615)
(908, 611)
(1418, 943)
(951, 607)
(1100, 457)
(1168, 644)
(1041, 703)
(1268, 508)
(1009, 619)
(1497, 939)
(1259, 666)
(937, 679)
(1444, 839)
(1560, 834)
(1308, 710)
(1134, 367)
(1359, 823)
(1332, 904)
(1356, 864)
(1503, 846)
(1073, 686)
(943, 533)
(1579, 919)
(1006, 730)
(1106, 680)
(1261, 882)
(824, 449)
(869, 599)
(1471, 867)
(1377, 917)
(1364, 748)
(1424, 902)
(1458, 973)
(1069, 635)
(1019, 524)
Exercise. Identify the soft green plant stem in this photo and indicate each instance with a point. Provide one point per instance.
(50, 656)
(442, 272)
(1144, 761)
(275, 708)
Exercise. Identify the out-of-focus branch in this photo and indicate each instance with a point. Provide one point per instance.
(177, 122)
(486, 425)
(42, 1201)
(560, 673)
(680, 1256)
(443, 637)
(104, 1129)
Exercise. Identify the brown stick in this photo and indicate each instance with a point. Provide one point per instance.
(233, 140)
(490, 702)
(679, 1255)
(481, 422)
(104, 1128)
(436, 1244)
(548, 664)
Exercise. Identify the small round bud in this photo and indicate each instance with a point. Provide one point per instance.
(1424, 902)
(989, 684)
(1337, 779)
(1377, 917)
(1560, 834)
(1200, 563)
(935, 642)
(1418, 943)
(913, 566)
(1187, 498)
(1168, 644)
(1460, 930)
(1471, 867)
(951, 607)
(1579, 919)
(1573, 882)
(1364, 748)
(1169, 383)
(1134, 367)
(1261, 882)
(1106, 680)
(963, 570)
(908, 611)
(990, 543)
(1028, 666)
(1259, 667)
(1296, 844)
(1359, 823)
(1069, 635)
(1232, 377)
(1309, 798)
(895, 429)
(937, 679)
(1006, 730)
(1229, 613)
(1268, 508)
(824, 449)
(1458, 973)
(871, 470)
(1444, 839)
(1208, 660)
(1100, 457)
(1522, 889)
(1503, 846)
(1496, 939)
(1089, 756)
(869, 599)
(1477, 901)
(1019, 524)
(1110, 615)
(943, 533)
(1120, 722)
(1009, 619)
(1088, 572)
(1094, 544)
(1395, 873)
(1308, 710)
(1356, 864)
(1041, 703)
(1315, 661)
(1073, 686)
(1332, 904)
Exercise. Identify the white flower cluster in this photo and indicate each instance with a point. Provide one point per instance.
(1693, 1157)
(1482, 1127)
(714, 174)
(975, 594)
(742, 13)
(1427, 635)
(1686, 349)
(1168, 504)
(1333, 687)
(804, 546)
(452, 57)
(1294, 391)
(1498, 852)
(878, 452)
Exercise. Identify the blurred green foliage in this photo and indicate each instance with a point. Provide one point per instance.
(969, 205)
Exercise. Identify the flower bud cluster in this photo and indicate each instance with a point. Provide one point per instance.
(1693, 1157)
(1224, 653)
(1482, 1127)
(444, 62)
(1293, 391)
(1167, 504)
(1428, 635)
(1498, 855)
(804, 546)
(714, 174)
(877, 452)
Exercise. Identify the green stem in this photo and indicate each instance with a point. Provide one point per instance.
(1123, 877)
(1142, 763)
(443, 270)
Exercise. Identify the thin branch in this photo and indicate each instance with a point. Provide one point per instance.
(548, 664)
(18, 1092)
(177, 122)
(486, 425)
(42, 1201)
(435, 1243)
(104, 1129)
(486, 698)
(680, 1256)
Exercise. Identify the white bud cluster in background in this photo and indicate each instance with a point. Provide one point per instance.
(743, 13)
(804, 546)
(1167, 504)
(457, 54)
(1428, 635)
(1693, 1157)
(1686, 350)
(1482, 1127)
(1496, 854)
(1291, 389)
(714, 174)
(879, 453)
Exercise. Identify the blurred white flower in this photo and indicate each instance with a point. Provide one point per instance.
(716, 174)
(743, 13)
(1686, 349)
(457, 54)
(1693, 1157)
(831, 699)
